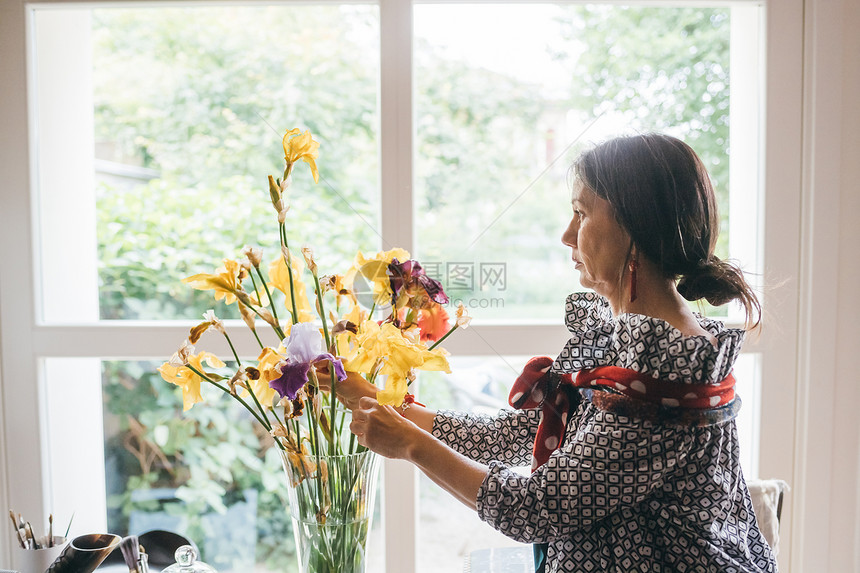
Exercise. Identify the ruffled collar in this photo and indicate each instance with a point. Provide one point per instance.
(644, 343)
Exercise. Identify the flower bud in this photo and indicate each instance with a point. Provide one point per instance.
(274, 192)
(463, 318)
(282, 214)
(255, 255)
(216, 322)
(308, 254)
(248, 317)
(279, 431)
(267, 315)
(180, 357)
(238, 379)
(285, 184)
(197, 331)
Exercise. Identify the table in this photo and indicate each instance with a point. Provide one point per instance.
(501, 560)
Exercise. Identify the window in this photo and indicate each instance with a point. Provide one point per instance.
(159, 119)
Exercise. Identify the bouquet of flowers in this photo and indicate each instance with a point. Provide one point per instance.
(389, 338)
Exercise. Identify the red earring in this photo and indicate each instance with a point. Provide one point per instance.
(633, 265)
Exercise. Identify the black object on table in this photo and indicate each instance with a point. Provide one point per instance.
(159, 545)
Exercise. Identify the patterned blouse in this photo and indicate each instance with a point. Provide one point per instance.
(622, 494)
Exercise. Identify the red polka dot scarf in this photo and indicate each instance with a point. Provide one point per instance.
(538, 387)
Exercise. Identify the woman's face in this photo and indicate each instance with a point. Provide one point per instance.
(600, 245)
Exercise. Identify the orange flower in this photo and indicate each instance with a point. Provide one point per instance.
(433, 322)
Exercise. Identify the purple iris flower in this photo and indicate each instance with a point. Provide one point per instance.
(409, 275)
(304, 347)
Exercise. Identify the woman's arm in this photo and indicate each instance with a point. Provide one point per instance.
(386, 432)
(507, 437)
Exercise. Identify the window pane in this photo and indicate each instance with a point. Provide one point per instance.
(449, 531)
(133, 462)
(747, 372)
(175, 119)
(508, 95)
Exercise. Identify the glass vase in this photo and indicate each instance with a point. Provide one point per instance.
(332, 501)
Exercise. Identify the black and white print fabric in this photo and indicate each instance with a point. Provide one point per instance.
(643, 343)
(622, 494)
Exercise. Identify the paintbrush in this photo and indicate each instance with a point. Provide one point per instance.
(130, 547)
(143, 562)
(31, 536)
(50, 530)
(66, 536)
(17, 531)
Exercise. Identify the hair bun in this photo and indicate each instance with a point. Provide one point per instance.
(716, 281)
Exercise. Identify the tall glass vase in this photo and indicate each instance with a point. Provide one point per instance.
(332, 500)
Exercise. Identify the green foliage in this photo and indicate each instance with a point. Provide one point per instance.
(664, 69)
(208, 456)
(478, 154)
(485, 139)
(195, 103)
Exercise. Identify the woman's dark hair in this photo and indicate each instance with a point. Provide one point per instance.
(662, 195)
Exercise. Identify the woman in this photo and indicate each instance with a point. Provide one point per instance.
(630, 430)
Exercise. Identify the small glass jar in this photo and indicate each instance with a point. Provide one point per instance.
(186, 562)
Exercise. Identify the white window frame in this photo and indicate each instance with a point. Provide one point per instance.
(794, 245)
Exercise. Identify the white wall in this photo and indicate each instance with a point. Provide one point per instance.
(828, 447)
(844, 507)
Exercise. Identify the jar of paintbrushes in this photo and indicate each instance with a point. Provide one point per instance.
(34, 553)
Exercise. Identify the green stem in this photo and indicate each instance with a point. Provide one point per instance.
(335, 433)
(260, 342)
(340, 432)
(314, 423)
(333, 377)
(260, 407)
(447, 334)
(315, 447)
(234, 396)
(284, 243)
(254, 282)
(235, 355)
(277, 329)
(272, 302)
(266, 424)
(312, 419)
(322, 311)
(298, 432)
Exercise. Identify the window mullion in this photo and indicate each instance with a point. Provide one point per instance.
(400, 494)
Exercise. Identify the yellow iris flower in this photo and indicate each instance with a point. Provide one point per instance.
(345, 341)
(375, 270)
(266, 364)
(302, 147)
(225, 283)
(187, 379)
(395, 389)
(268, 361)
(280, 279)
(400, 354)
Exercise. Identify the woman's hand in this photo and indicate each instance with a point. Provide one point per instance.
(350, 390)
(384, 430)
